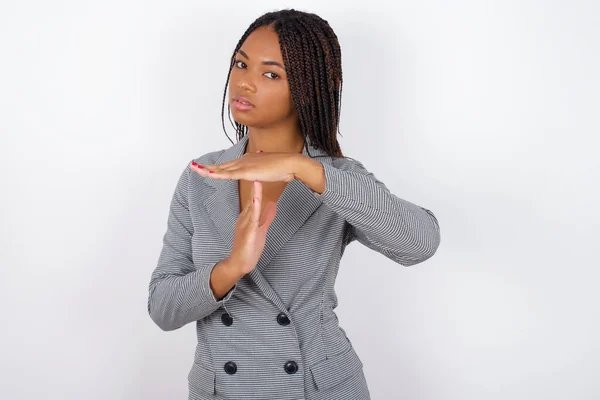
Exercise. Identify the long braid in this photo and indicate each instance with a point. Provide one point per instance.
(313, 61)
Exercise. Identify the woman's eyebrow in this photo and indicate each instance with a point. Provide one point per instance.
(264, 62)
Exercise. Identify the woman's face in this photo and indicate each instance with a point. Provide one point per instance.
(258, 75)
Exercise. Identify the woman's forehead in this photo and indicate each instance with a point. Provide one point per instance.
(262, 43)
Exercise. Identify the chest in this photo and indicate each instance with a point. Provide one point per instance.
(271, 191)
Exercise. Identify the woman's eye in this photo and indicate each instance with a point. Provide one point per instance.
(236, 62)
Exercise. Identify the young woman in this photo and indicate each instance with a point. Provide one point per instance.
(256, 231)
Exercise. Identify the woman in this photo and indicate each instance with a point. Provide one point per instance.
(256, 231)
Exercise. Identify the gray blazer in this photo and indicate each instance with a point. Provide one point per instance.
(275, 334)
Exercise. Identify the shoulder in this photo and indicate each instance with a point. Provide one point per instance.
(349, 164)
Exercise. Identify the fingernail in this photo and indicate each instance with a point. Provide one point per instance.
(194, 163)
(211, 171)
(200, 166)
(261, 151)
(253, 200)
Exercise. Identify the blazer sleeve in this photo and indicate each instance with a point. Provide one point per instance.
(179, 291)
(400, 230)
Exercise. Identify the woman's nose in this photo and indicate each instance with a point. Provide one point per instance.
(245, 84)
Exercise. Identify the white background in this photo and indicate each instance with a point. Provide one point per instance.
(485, 112)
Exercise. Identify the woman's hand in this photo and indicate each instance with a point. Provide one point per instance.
(266, 167)
(251, 231)
(251, 227)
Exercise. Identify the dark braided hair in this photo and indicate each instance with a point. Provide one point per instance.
(313, 62)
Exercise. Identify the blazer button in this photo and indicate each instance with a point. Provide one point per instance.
(291, 367)
(283, 319)
(226, 319)
(230, 367)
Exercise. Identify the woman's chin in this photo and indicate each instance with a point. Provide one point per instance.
(243, 118)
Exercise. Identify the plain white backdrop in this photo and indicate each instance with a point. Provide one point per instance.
(485, 112)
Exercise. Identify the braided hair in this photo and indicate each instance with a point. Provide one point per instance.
(313, 61)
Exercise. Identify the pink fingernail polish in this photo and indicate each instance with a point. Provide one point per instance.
(194, 163)
(211, 171)
(200, 166)
(253, 200)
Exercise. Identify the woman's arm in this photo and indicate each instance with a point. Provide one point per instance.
(402, 231)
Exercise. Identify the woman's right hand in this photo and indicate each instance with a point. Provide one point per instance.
(251, 231)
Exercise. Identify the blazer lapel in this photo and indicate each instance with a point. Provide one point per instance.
(295, 205)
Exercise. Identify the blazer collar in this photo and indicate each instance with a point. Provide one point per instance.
(295, 205)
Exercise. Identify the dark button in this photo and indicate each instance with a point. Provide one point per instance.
(226, 319)
(291, 367)
(283, 319)
(230, 367)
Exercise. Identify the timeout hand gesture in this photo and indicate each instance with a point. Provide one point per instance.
(251, 227)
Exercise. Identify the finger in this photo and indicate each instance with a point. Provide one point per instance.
(246, 210)
(225, 164)
(201, 169)
(248, 206)
(218, 166)
(256, 202)
(195, 166)
(221, 174)
(230, 168)
(201, 166)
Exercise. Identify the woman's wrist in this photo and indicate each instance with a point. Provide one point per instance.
(236, 268)
(223, 277)
(310, 172)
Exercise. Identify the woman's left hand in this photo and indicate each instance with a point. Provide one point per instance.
(259, 166)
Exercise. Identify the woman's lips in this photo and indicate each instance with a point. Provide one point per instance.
(241, 106)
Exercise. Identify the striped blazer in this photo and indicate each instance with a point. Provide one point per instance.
(275, 334)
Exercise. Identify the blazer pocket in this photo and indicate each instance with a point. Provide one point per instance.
(202, 378)
(333, 371)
